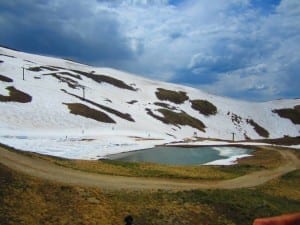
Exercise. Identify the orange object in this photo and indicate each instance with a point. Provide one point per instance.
(287, 219)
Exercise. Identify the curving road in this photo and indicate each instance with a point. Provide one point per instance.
(46, 170)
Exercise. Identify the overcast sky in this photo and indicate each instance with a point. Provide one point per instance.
(246, 49)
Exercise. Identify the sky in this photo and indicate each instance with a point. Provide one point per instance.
(245, 49)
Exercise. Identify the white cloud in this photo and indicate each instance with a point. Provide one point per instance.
(145, 2)
(207, 39)
(248, 81)
(242, 49)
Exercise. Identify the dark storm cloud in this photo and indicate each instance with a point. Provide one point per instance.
(64, 28)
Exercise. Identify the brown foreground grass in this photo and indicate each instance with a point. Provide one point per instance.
(27, 200)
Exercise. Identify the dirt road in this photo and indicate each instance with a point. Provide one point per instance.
(49, 171)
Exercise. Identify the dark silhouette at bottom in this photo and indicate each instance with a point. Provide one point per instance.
(128, 220)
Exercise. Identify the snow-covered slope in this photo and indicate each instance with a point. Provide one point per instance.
(90, 112)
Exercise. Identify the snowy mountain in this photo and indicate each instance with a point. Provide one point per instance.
(68, 109)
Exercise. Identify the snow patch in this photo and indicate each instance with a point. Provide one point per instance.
(231, 154)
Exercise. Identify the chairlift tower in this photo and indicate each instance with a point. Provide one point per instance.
(23, 72)
(233, 136)
(83, 92)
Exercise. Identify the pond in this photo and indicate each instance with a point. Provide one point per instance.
(185, 156)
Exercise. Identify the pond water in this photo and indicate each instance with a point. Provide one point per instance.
(184, 156)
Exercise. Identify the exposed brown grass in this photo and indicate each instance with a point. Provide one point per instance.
(15, 95)
(165, 105)
(51, 68)
(35, 69)
(70, 82)
(125, 116)
(71, 75)
(259, 129)
(236, 119)
(107, 79)
(176, 119)
(5, 79)
(132, 102)
(291, 114)
(204, 107)
(131, 169)
(262, 158)
(112, 81)
(41, 68)
(85, 111)
(281, 141)
(285, 186)
(9, 56)
(172, 96)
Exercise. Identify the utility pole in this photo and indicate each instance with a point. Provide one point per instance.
(83, 92)
(23, 73)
